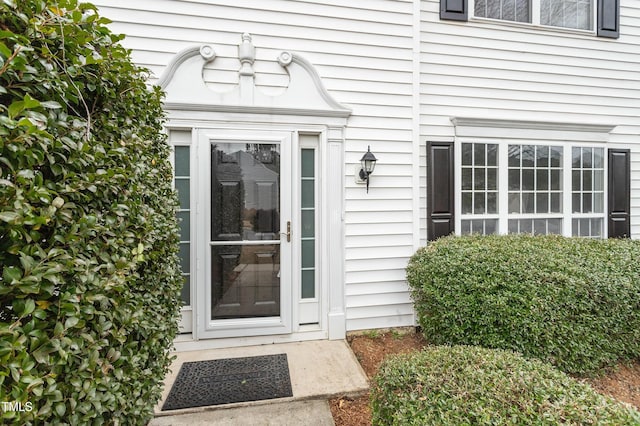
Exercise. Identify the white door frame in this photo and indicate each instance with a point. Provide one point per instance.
(330, 234)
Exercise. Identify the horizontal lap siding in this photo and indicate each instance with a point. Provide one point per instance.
(363, 53)
(497, 71)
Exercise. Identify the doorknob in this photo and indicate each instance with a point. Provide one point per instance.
(288, 234)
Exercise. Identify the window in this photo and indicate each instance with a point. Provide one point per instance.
(534, 185)
(508, 10)
(567, 13)
(182, 183)
(587, 191)
(307, 215)
(576, 14)
(309, 298)
(508, 187)
(480, 187)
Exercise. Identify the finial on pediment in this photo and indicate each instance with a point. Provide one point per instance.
(247, 55)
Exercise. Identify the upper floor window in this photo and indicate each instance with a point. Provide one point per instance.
(599, 16)
(507, 10)
(576, 14)
(567, 13)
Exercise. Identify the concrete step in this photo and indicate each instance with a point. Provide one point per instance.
(319, 370)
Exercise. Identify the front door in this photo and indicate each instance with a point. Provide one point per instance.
(245, 188)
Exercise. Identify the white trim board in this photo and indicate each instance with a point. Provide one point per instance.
(530, 130)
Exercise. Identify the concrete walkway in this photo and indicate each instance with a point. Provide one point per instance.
(319, 370)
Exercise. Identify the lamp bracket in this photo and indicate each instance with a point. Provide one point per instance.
(359, 175)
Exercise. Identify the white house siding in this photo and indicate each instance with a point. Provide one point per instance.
(363, 53)
(500, 71)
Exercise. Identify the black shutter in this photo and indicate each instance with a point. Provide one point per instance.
(455, 10)
(609, 18)
(619, 193)
(440, 195)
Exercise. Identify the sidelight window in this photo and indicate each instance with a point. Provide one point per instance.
(307, 215)
(182, 182)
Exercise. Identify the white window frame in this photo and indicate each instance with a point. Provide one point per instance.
(309, 309)
(503, 156)
(510, 132)
(473, 166)
(535, 11)
(593, 215)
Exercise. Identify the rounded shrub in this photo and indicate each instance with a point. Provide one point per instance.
(572, 302)
(88, 238)
(466, 385)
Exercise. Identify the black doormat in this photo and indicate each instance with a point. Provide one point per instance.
(223, 381)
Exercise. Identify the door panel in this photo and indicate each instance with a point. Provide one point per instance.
(245, 195)
(246, 281)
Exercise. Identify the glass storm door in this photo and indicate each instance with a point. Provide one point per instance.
(248, 272)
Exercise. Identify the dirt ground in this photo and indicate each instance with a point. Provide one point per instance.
(372, 347)
(370, 350)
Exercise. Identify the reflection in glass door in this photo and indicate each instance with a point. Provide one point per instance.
(245, 230)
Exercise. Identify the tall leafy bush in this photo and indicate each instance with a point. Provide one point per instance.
(88, 240)
(572, 302)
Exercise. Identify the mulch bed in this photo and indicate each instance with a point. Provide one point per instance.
(623, 383)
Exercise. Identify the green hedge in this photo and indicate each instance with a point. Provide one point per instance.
(465, 385)
(572, 302)
(88, 239)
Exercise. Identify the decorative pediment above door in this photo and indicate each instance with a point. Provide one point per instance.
(186, 89)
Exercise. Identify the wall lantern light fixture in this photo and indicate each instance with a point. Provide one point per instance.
(368, 162)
